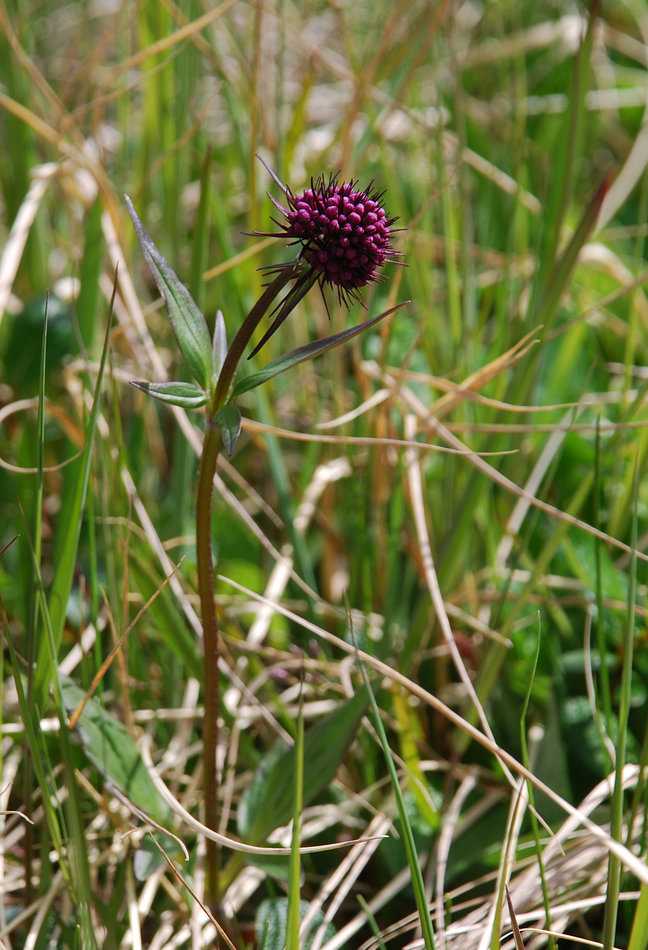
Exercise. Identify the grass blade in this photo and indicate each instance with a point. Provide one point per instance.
(418, 883)
(565, 264)
(292, 930)
(535, 828)
(90, 274)
(72, 518)
(267, 802)
(70, 833)
(519, 945)
(614, 865)
(639, 932)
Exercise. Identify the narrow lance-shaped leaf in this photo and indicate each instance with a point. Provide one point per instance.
(307, 352)
(186, 395)
(639, 932)
(189, 324)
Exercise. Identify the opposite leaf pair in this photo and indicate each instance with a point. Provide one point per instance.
(344, 237)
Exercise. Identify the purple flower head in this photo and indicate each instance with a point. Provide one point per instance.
(344, 236)
(344, 233)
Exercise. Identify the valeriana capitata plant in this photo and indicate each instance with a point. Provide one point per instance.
(343, 235)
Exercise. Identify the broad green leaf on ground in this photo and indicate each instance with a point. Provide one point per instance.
(271, 924)
(189, 324)
(267, 802)
(110, 748)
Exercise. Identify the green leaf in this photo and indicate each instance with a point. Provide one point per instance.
(186, 395)
(639, 932)
(267, 802)
(35, 742)
(307, 352)
(71, 516)
(418, 884)
(271, 924)
(219, 343)
(228, 419)
(200, 237)
(294, 879)
(111, 749)
(564, 265)
(168, 622)
(88, 301)
(275, 866)
(189, 325)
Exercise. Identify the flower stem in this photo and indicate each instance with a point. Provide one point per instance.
(205, 565)
(209, 457)
(245, 331)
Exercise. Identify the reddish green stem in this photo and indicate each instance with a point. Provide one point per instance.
(211, 446)
(245, 331)
(205, 565)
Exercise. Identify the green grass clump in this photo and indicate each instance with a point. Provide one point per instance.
(460, 491)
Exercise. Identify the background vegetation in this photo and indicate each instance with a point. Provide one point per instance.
(499, 568)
